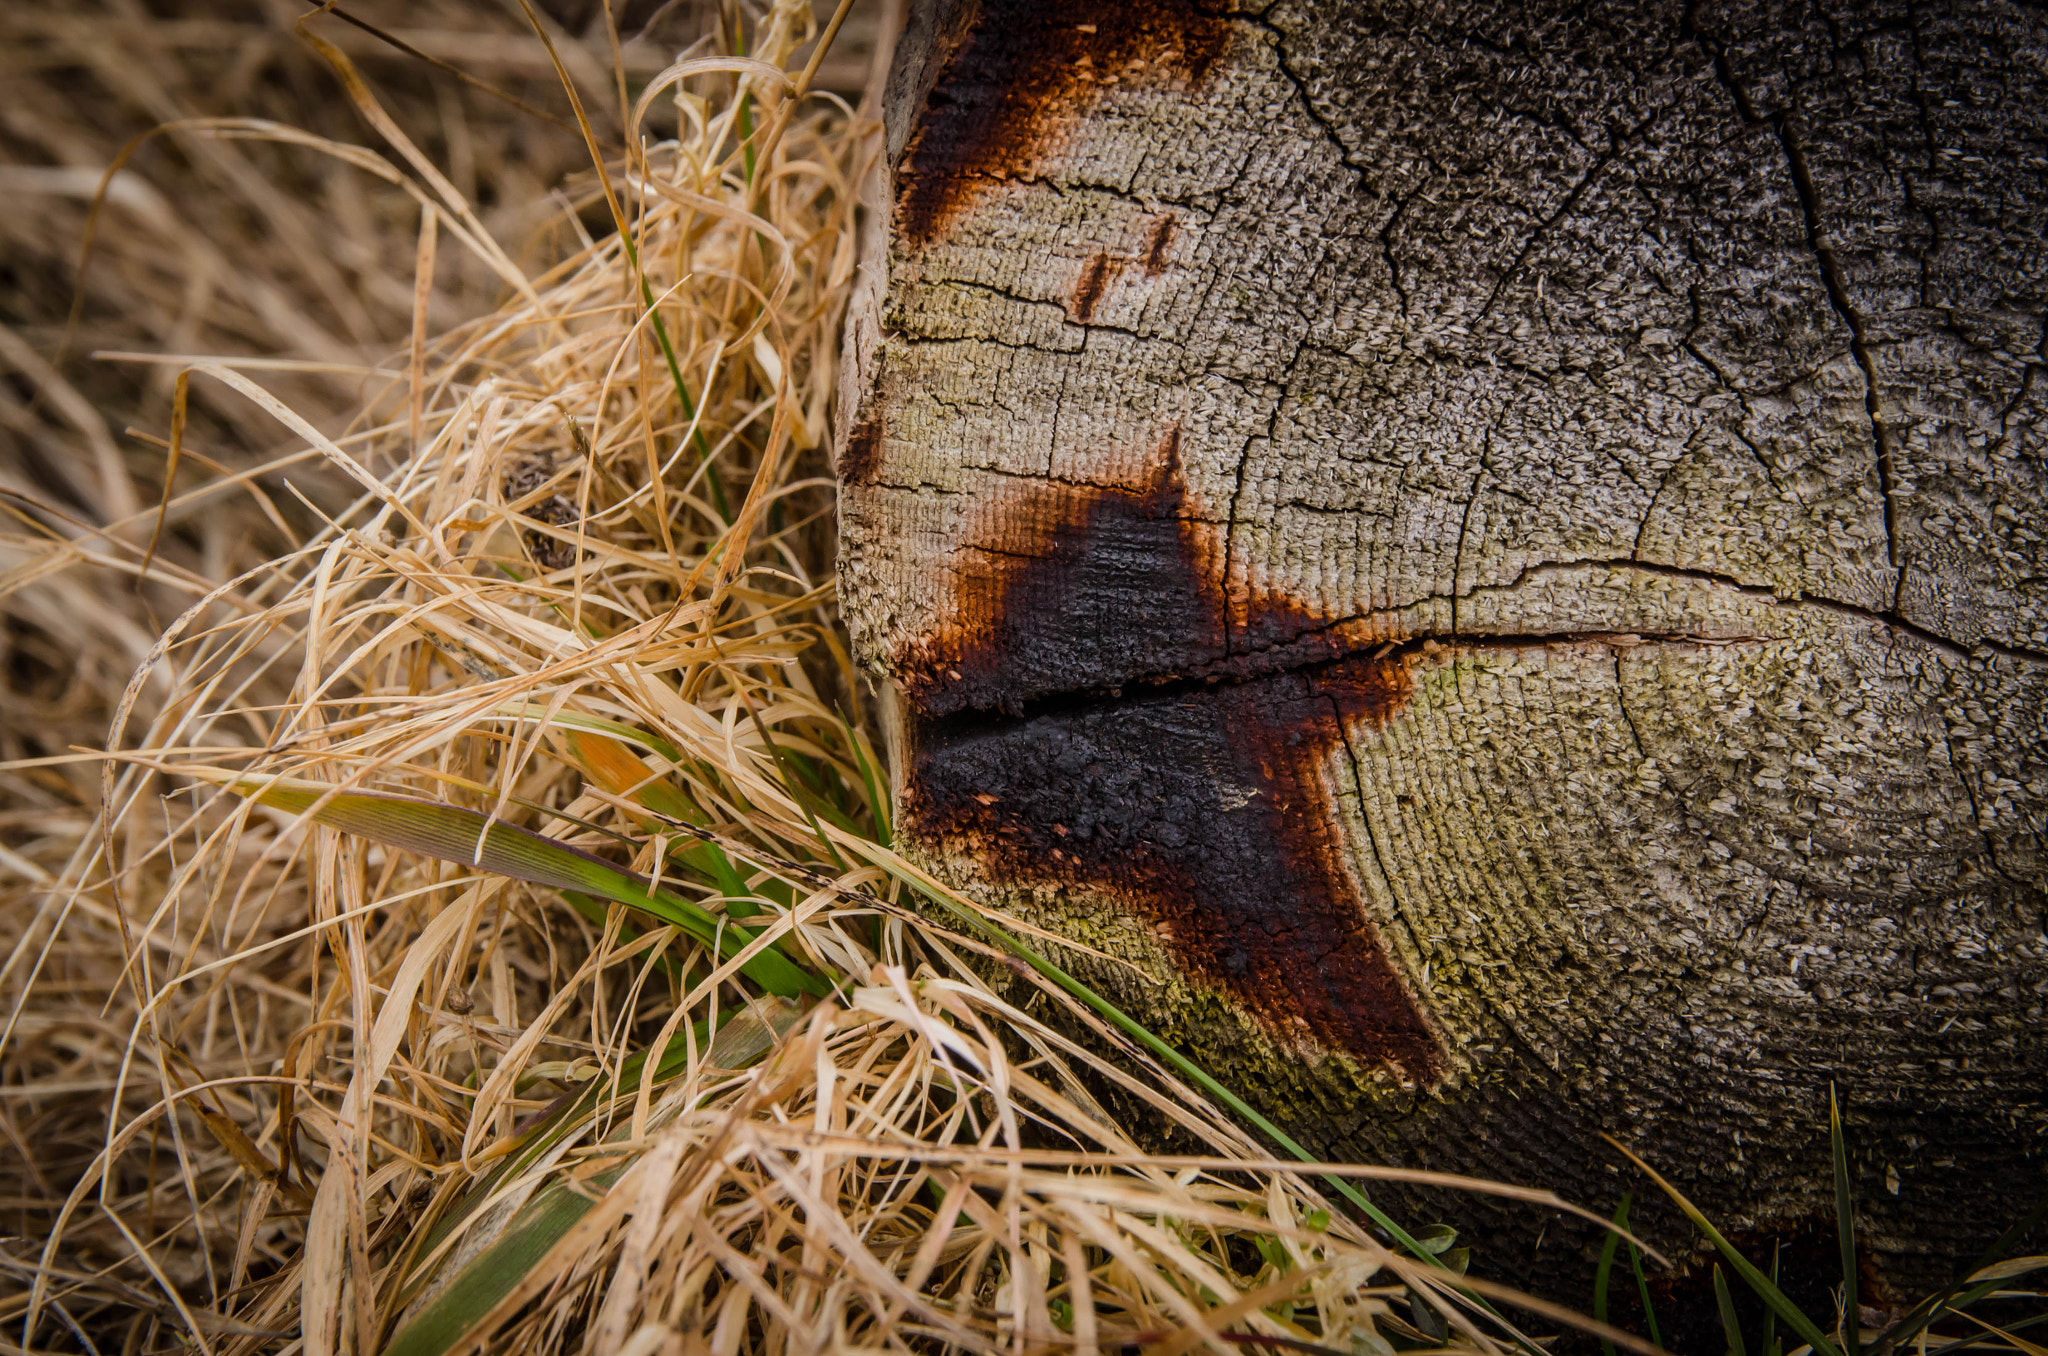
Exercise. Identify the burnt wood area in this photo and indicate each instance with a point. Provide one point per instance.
(1496, 558)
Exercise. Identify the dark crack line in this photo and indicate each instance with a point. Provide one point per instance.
(1884, 618)
(2027, 375)
(1859, 347)
(1699, 356)
(1344, 157)
(1621, 701)
(1831, 279)
(1309, 653)
(1281, 390)
(1571, 200)
(1635, 550)
(942, 285)
(1014, 345)
(1529, 572)
(1948, 743)
(1169, 685)
(1386, 238)
(1770, 471)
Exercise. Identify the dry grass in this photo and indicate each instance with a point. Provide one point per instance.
(502, 539)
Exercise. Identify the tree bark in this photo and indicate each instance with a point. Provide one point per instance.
(1496, 559)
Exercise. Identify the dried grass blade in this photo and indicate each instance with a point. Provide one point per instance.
(453, 834)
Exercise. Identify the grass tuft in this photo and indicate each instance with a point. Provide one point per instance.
(449, 883)
(446, 871)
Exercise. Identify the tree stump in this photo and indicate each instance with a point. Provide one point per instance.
(1495, 558)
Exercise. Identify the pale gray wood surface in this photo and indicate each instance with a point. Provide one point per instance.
(1665, 388)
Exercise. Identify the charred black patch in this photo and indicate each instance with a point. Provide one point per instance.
(861, 457)
(1157, 244)
(1095, 278)
(1088, 588)
(1201, 807)
(1093, 586)
(1026, 67)
(1205, 811)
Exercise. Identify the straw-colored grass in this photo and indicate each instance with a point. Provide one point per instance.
(315, 1037)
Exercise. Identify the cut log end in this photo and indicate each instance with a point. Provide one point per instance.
(1493, 557)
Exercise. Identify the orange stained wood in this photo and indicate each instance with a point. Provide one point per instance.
(1026, 70)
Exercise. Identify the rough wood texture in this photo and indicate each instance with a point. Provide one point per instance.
(1496, 555)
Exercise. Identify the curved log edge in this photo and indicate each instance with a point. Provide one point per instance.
(1497, 559)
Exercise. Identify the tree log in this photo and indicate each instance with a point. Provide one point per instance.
(1495, 557)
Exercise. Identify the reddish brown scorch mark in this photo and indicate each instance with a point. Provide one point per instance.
(1157, 245)
(861, 457)
(1206, 807)
(1103, 267)
(1095, 277)
(1024, 70)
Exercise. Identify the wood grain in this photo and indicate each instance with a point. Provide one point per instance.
(1520, 532)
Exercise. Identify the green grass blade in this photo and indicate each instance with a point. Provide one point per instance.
(612, 765)
(1635, 1266)
(1770, 1318)
(474, 1290)
(454, 834)
(595, 913)
(675, 368)
(1181, 1063)
(1603, 1274)
(793, 784)
(1958, 1343)
(575, 720)
(878, 803)
(1187, 1068)
(493, 1273)
(1950, 1296)
(675, 376)
(1845, 1225)
(1751, 1277)
(1731, 1329)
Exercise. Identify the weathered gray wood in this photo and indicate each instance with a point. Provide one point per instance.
(1496, 554)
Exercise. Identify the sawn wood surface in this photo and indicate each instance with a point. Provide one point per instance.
(1496, 558)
